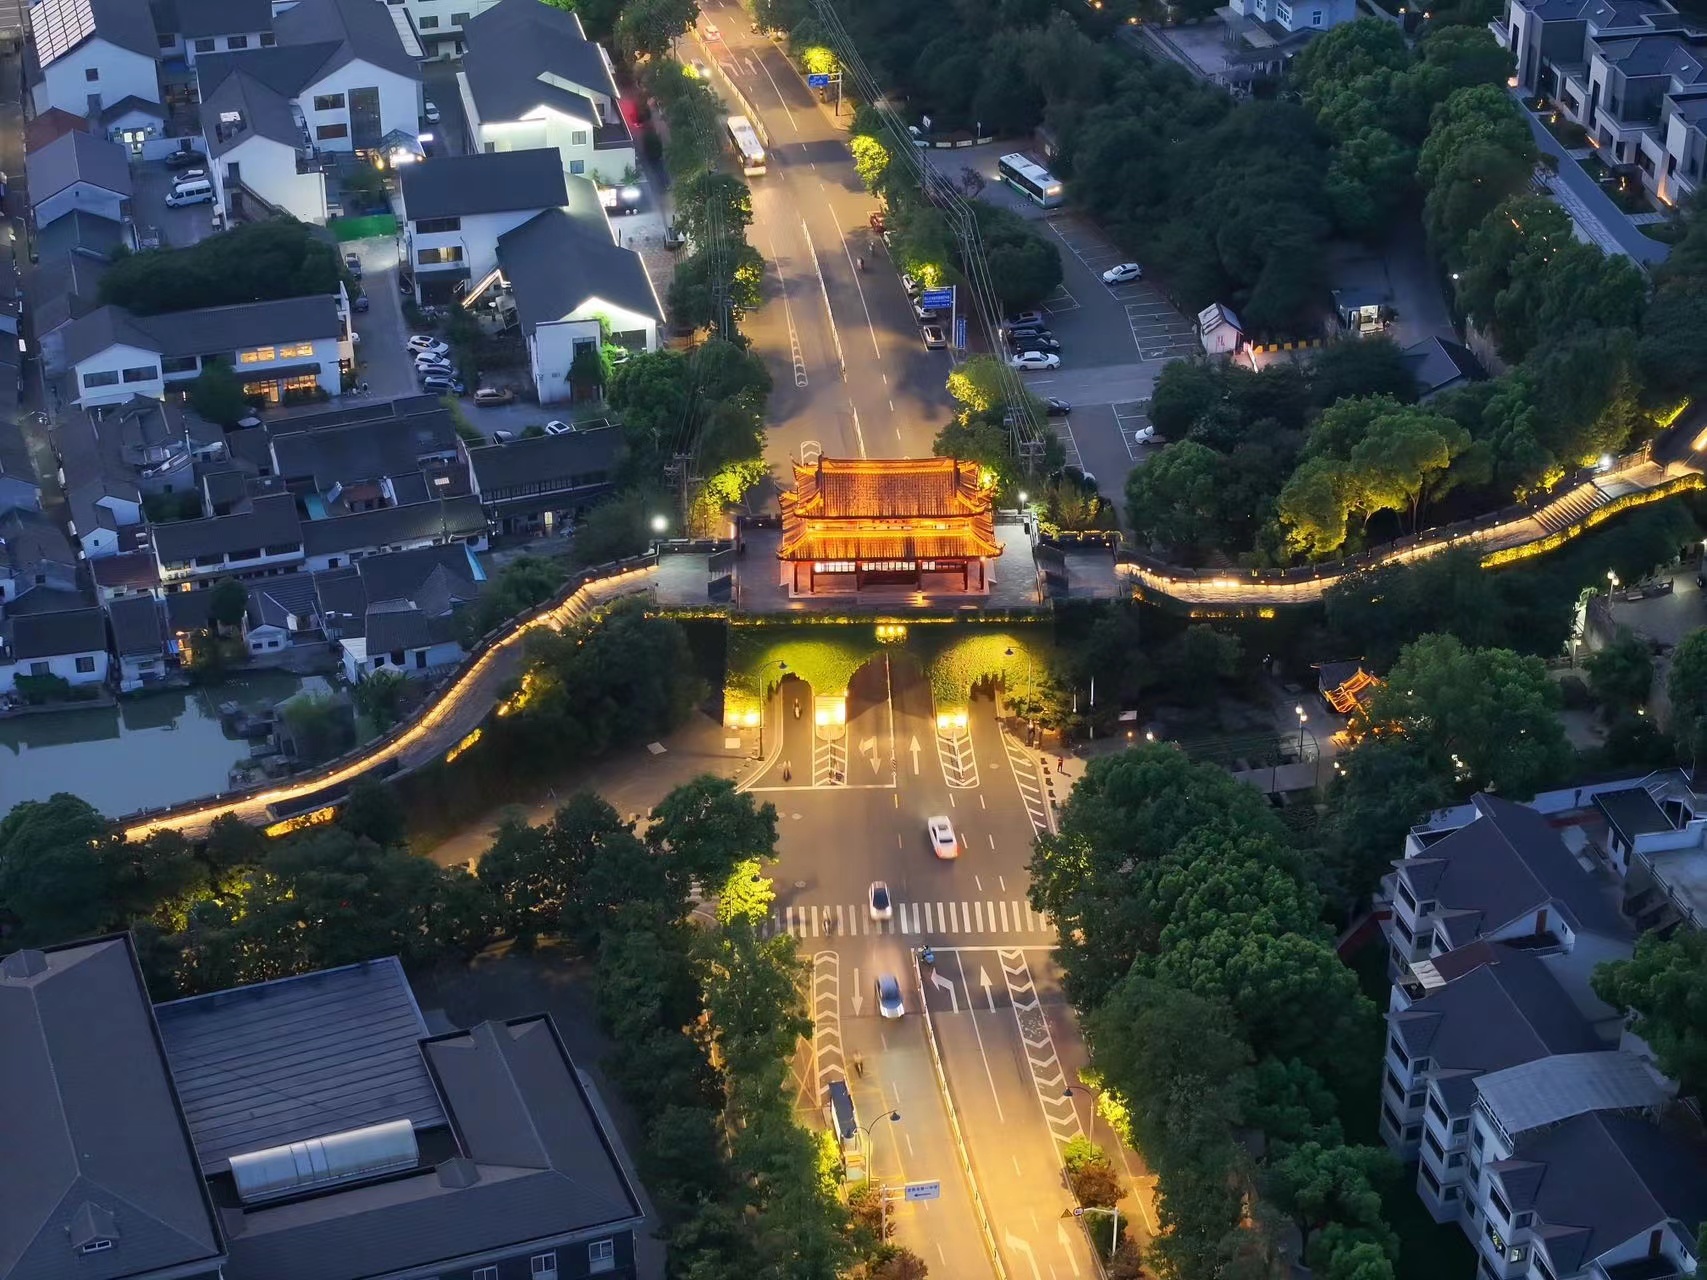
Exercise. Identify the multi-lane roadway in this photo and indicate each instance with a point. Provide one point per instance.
(853, 810)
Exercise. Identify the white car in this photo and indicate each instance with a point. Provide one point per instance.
(1144, 435)
(432, 113)
(889, 1003)
(877, 899)
(1124, 272)
(935, 339)
(944, 843)
(431, 362)
(421, 344)
(191, 175)
(1034, 360)
(557, 428)
(711, 31)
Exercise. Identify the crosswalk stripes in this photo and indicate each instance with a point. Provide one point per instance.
(936, 919)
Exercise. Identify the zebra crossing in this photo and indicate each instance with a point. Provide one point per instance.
(938, 919)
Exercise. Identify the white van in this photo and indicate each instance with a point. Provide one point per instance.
(200, 192)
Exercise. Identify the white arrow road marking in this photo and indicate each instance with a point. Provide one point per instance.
(984, 981)
(1067, 1246)
(946, 985)
(857, 999)
(913, 746)
(1024, 1250)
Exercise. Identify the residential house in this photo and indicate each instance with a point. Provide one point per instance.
(291, 346)
(188, 29)
(545, 483)
(281, 611)
(343, 540)
(130, 573)
(139, 640)
(1219, 331)
(440, 23)
(1281, 18)
(454, 209)
(84, 55)
(266, 537)
(1441, 365)
(20, 490)
(111, 457)
(1632, 73)
(38, 566)
(69, 643)
(256, 138)
(75, 252)
(398, 612)
(532, 79)
(79, 171)
(565, 279)
(340, 468)
(133, 121)
(50, 124)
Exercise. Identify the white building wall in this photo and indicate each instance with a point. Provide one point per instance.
(81, 195)
(291, 559)
(118, 359)
(327, 353)
(573, 138)
(194, 48)
(477, 238)
(62, 665)
(446, 18)
(436, 658)
(551, 350)
(399, 103)
(268, 168)
(119, 74)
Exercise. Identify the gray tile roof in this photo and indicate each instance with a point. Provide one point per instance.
(270, 522)
(485, 182)
(395, 526)
(15, 463)
(1438, 363)
(515, 43)
(53, 635)
(187, 611)
(285, 69)
(1508, 1011)
(84, 1138)
(579, 461)
(365, 451)
(556, 265)
(139, 625)
(28, 539)
(124, 23)
(435, 577)
(1507, 863)
(206, 330)
(191, 18)
(1607, 1178)
(341, 601)
(242, 107)
(357, 28)
(275, 601)
(282, 1061)
(77, 157)
(130, 569)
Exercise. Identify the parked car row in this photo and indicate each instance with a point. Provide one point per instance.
(433, 368)
(1031, 345)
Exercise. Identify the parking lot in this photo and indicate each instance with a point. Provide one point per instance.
(151, 183)
(1159, 331)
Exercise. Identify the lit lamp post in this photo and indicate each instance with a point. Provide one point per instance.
(894, 1117)
(1114, 1236)
(1302, 719)
(1611, 582)
(758, 717)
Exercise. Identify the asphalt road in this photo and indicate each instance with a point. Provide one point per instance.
(852, 376)
(836, 838)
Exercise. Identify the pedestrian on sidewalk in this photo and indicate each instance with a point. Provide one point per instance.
(859, 1065)
(787, 772)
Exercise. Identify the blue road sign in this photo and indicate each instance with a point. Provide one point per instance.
(818, 81)
(960, 333)
(937, 299)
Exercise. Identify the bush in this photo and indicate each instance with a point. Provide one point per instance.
(1091, 1174)
(37, 690)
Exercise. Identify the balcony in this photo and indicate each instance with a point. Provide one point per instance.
(1659, 1267)
(1501, 33)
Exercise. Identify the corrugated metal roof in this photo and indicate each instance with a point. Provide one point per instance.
(299, 1058)
(1543, 1092)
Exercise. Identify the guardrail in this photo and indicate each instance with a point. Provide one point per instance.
(423, 721)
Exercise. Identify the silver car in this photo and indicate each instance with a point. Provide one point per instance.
(889, 1003)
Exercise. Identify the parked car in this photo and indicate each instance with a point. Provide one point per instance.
(354, 263)
(192, 175)
(912, 286)
(500, 436)
(877, 222)
(1034, 344)
(925, 315)
(711, 31)
(1145, 435)
(1034, 360)
(1124, 272)
(405, 284)
(486, 397)
(359, 303)
(944, 843)
(889, 1003)
(185, 159)
(442, 384)
(935, 340)
(430, 357)
(422, 344)
(1057, 408)
(877, 901)
(558, 428)
(1030, 331)
(432, 113)
(1020, 319)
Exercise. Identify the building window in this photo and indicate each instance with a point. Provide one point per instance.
(1413, 1132)
(1435, 1109)
(105, 378)
(260, 355)
(1461, 1125)
(85, 664)
(236, 42)
(1391, 1119)
(543, 1264)
(299, 350)
(578, 138)
(204, 45)
(1433, 1182)
(427, 24)
(1453, 1193)
(1315, 17)
(1393, 1084)
(1415, 1100)
(1522, 1221)
(1498, 1203)
(437, 226)
(1399, 1053)
(577, 166)
(179, 364)
(1433, 1144)
(38, 669)
(1455, 1160)
(92, 74)
(486, 1273)
(142, 373)
(1542, 1267)
(326, 132)
(329, 102)
(601, 1255)
(1476, 1139)
(268, 39)
(432, 257)
(457, 19)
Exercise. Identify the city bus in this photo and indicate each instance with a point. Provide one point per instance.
(1030, 179)
(747, 146)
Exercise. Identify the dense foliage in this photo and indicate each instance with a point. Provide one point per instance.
(255, 262)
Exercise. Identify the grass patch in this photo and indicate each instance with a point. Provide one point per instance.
(958, 657)
(376, 224)
(1669, 232)
(826, 657)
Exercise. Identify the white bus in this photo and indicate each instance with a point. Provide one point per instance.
(747, 146)
(1030, 179)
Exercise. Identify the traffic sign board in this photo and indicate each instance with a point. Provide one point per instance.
(924, 1190)
(937, 299)
(960, 333)
(818, 81)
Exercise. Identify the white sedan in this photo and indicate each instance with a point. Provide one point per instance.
(1124, 272)
(432, 113)
(1034, 360)
(877, 899)
(422, 345)
(944, 843)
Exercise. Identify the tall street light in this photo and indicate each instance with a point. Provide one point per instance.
(894, 1117)
(1068, 1092)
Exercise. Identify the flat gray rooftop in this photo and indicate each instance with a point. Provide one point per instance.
(280, 1062)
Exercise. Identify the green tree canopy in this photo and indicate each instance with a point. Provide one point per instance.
(254, 262)
(217, 396)
(1665, 984)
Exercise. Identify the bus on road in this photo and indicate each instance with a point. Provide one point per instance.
(1030, 179)
(748, 149)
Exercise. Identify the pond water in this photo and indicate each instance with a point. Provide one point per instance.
(151, 750)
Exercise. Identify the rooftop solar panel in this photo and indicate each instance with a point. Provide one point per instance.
(59, 26)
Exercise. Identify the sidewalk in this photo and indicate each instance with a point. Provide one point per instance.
(632, 781)
(1590, 208)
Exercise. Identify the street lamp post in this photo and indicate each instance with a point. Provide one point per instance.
(1611, 582)
(1114, 1236)
(783, 667)
(1302, 718)
(894, 1117)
